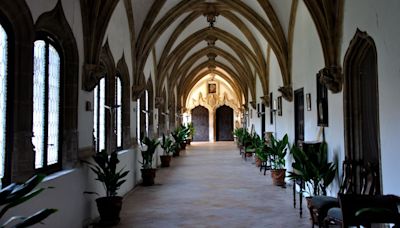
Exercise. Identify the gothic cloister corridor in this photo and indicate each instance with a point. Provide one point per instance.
(210, 185)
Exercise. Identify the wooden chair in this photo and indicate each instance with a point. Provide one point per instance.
(319, 205)
(369, 183)
(366, 210)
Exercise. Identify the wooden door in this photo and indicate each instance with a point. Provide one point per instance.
(224, 123)
(201, 123)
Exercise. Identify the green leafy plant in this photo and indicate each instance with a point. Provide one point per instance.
(105, 167)
(148, 152)
(167, 145)
(313, 168)
(16, 194)
(180, 134)
(238, 133)
(191, 130)
(277, 151)
(255, 143)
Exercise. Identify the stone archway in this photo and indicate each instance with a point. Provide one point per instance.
(200, 120)
(224, 123)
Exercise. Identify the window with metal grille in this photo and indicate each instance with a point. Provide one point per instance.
(3, 98)
(118, 111)
(99, 125)
(46, 104)
(102, 111)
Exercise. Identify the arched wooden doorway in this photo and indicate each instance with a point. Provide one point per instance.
(224, 123)
(361, 107)
(200, 122)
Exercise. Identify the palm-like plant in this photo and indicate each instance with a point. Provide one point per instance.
(313, 167)
(277, 150)
(167, 144)
(16, 194)
(105, 167)
(180, 134)
(148, 152)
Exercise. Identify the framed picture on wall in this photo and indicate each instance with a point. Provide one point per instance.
(322, 103)
(308, 101)
(279, 108)
(271, 110)
(212, 88)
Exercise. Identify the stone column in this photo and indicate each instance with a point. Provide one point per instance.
(211, 125)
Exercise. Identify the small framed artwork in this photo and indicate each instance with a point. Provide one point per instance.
(279, 108)
(212, 88)
(322, 103)
(271, 110)
(308, 101)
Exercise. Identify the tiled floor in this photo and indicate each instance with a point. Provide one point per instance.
(210, 185)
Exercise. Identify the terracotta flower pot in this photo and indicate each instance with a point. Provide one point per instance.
(278, 177)
(109, 208)
(258, 161)
(165, 160)
(148, 176)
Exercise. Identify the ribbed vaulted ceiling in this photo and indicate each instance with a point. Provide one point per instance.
(185, 47)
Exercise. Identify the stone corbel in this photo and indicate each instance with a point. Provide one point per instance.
(265, 100)
(287, 92)
(253, 104)
(159, 102)
(92, 73)
(332, 78)
(137, 91)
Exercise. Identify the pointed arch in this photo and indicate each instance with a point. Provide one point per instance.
(361, 102)
(150, 91)
(123, 74)
(17, 18)
(55, 23)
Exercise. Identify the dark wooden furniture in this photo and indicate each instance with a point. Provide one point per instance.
(366, 210)
(368, 186)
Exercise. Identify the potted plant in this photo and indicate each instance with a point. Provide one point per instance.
(176, 149)
(180, 135)
(313, 168)
(105, 167)
(167, 145)
(191, 131)
(256, 145)
(149, 146)
(277, 151)
(16, 194)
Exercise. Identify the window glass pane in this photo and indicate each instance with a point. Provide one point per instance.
(38, 101)
(95, 116)
(147, 109)
(54, 107)
(102, 120)
(3, 97)
(119, 112)
(138, 120)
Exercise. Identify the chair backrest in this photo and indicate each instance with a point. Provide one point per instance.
(368, 209)
(369, 180)
(358, 178)
(346, 186)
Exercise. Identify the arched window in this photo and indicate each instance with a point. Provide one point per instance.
(46, 104)
(118, 111)
(102, 113)
(99, 124)
(3, 98)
